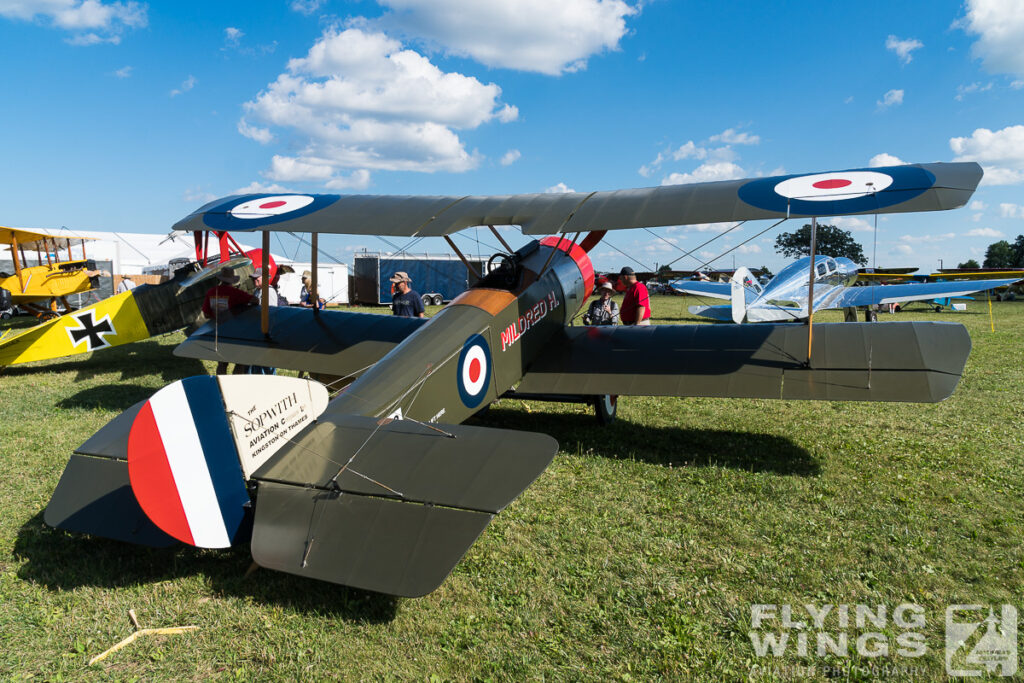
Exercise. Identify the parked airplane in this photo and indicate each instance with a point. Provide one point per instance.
(38, 288)
(143, 312)
(785, 297)
(381, 487)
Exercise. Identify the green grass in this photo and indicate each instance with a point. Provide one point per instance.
(636, 555)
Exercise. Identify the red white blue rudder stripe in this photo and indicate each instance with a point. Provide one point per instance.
(184, 467)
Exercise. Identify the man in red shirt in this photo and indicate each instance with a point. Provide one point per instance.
(221, 301)
(636, 304)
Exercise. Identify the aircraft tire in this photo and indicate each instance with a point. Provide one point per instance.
(6, 315)
(938, 309)
(606, 407)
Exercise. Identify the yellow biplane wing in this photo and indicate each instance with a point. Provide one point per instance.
(60, 267)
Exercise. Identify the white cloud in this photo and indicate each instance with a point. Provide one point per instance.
(358, 179)
(197, 194)
(124, 72)
(890, 99)
(885, 159)
(689, 151)
(708, 227)
(511, 157)
(978, 205)
(1011, 210)
(528, 35)
(560, 188)
(999, 25)
(976, 218)
(852, 223)
(1001, 153)
(984, 232)
(903, 48)
(358, 100)
(710, 171)
(256, 187)
(927, 239)
(1018, 84)
(185, 86)
(306, 7)
(730, 137)
(90, 21)
(903, 249)
(748, 249)
(291, 170)
(232, 36)
(962, 90)
(260, 135)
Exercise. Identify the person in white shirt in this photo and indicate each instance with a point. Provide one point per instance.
(125, 285)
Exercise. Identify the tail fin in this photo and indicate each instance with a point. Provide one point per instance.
(742, 281)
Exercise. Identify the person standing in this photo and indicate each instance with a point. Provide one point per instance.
(636, 304)
(603, 311)
(306, 299)
(125, 285)
(221, 301)
(406, 301)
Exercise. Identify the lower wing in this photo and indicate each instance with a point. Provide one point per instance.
(890, 294)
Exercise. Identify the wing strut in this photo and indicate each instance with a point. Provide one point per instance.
(810, 290)
(265, 286)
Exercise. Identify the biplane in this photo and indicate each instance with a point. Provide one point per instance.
(39, 288)
(786, 297)
(381, 486)
(143, 312)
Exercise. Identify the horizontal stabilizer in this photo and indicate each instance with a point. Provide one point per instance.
(919, 361)
(476, 468)
(370, 543)
(390, 505)
(95, 497)
(111, 441)
(330, 342)
(721, 313)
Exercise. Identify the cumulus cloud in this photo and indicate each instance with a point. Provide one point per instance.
(511, 157)
(185, 86)
(232, 36)
(91, 22)
(999, 25)
(256, 187)
(124, 72)
(1011, 210)
(748, 249)
(927, 239)
(962, 90)
(984, 232)
(978, 205)
(527, 35)
(706, 172)
(306, 7)
(1001, 153)
(891, 99)
(903, 48)
(885, 159)
(560, 188)
(197, 194)
(852, 223)
(260, 135)
(903, 250)
(358, 100)
(731, 137)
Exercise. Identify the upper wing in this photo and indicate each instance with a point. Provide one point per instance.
(895, 189)
(890, 294)
(979, 275)
(717, 290)
(30, 239)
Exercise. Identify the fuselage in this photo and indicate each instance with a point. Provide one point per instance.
(791, 286)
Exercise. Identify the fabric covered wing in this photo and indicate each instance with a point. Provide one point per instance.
(331, 342)
(920, 361)
(716, 290)
(918, 187)
(889, 294)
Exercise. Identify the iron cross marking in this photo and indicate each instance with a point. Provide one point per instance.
(91, 331)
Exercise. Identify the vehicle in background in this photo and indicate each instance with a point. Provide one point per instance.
(438, 278)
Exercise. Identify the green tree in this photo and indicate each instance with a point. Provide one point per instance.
(763, 272)
(831, 242)
(970, 263)
(999, 255)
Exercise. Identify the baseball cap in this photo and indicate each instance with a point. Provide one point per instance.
(627, 271)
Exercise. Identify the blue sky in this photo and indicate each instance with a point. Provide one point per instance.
(126, 116)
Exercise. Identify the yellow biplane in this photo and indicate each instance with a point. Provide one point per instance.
(38, 288)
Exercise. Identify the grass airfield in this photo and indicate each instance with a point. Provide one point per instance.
(637, 555)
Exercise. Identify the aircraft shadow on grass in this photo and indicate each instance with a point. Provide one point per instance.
(63, 561)
(673, 446)
(140, 359)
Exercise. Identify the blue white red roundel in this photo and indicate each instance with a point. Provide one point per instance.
(183, 464)
(841, 192)
(822, 187)
(271, 206)
(474, 371)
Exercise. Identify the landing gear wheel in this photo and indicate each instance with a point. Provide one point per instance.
(938, 309)
(6, 315)
(606, 407)
(871, 316)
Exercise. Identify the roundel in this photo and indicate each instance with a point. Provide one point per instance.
(841, 192)
(271, 206)
(474, 371)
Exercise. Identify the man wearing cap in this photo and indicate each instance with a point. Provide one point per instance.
(602, 311)
(405, 301)
(221, 301)
(636, 304)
